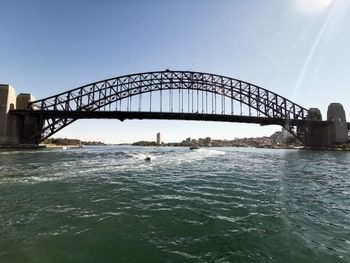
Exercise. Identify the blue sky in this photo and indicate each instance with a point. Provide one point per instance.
(295, 48)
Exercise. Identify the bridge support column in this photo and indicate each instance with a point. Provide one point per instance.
(8, 122)
(14, 129)
(30, 126)
(333, 134)
(316, 137)
(338, 130)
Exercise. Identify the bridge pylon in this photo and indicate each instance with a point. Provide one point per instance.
(8, 122)
(316, 136)
(338, 130)
(17, 130)
(335, 133)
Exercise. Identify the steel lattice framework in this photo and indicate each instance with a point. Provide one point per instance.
(170, 95)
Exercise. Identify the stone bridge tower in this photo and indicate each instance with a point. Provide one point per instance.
(13, 128)
(336, 133)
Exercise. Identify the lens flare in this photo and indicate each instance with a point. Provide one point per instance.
(313, 6)
(328, 32)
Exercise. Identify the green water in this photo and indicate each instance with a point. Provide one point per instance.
(107, 204)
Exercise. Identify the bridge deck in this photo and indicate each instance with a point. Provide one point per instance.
(124, 115)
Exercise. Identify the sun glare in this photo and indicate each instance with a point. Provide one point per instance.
(313, 6)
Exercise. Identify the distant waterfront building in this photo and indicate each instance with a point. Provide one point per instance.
(208, 141)
(159, 138)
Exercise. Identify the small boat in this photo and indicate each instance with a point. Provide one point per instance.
(194, 147)
(148, 159)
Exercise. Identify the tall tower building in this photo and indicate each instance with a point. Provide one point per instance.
(159, 138)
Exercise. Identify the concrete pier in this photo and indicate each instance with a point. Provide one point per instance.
(338, 131)
(12, 127)
(315, 135)
(8, 123)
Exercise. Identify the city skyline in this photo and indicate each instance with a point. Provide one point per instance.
(303, 56)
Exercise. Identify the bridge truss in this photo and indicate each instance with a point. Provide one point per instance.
(169, 94)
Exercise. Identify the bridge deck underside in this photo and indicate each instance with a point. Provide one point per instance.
(122, 115)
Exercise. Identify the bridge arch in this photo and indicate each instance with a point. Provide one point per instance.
(60, 110)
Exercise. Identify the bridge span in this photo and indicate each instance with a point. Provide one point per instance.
(172, 95)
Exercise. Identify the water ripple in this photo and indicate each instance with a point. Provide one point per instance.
(211, 205)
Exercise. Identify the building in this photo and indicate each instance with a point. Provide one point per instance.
(159, 138)
(207, 141)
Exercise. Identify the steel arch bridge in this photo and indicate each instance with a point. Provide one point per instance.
(181, 95)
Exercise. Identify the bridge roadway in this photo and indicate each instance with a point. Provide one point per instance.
(124, 115)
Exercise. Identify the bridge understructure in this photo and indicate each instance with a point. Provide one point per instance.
(172, 95)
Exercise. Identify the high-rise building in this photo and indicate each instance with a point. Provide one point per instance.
(159, 138)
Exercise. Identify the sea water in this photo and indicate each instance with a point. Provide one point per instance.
(107, 204)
